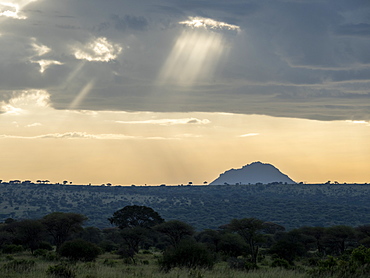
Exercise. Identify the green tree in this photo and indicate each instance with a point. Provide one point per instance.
(231, 245)
(175, 230)
(337, 238)
(61, 225)
(91, 234)
(135, 216)
(133, 237)
(188, 254)
(287, 250)
(79, 250)
(317, 233)
(250, 229)
(30, 233)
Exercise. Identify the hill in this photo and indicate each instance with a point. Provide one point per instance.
(254, 173)
(203, 207)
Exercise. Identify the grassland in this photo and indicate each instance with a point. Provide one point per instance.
(111, 266)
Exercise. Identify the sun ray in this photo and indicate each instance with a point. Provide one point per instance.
(82, 95)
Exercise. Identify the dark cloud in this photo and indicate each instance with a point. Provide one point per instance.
(293, 58)
(360, 30)
(139, 23)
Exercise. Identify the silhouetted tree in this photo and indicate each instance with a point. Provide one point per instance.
(30, 233)
(61, 225)
(250, 229)
(136, 216)
(318, 234)
(175, 230)
(79, 250)
(133, 237)
(337, 238)
(188, 254)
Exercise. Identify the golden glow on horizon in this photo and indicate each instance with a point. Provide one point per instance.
(140, 148)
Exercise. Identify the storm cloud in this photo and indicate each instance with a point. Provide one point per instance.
(300, 59)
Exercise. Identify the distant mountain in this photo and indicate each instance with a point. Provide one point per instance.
(256, 172)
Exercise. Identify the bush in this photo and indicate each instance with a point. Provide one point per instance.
(40, 253)
(188, 254)
(12, 248)
(79, 250)
(280, 263)
(19, 266)
(45, 246)
(241, 264)
(61, 271)
(108, 246)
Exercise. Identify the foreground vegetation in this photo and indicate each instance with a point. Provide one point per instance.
(143, 244)
(112, 266)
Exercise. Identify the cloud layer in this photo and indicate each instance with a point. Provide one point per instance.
(300, 59)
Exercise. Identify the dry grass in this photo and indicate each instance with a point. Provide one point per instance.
(110, 266)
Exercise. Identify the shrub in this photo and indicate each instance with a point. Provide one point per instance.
(45, 246)
(61, 271)
(19, 266)
(108, 245)
(12, 248)
(79, 250)
(188, 254)
(241, 264)
(280, 263)
(110, 263)
(40, 253)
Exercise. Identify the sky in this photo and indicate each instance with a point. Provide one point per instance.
(171, 92)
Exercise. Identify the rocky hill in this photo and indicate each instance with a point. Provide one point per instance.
(254, 173)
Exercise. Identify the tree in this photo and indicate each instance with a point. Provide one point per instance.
(338, 237)
(272, 228)
(91, 234)
(30, 233)
(231, 245)
(79, 250)
(188, 254)
(317, 233)
(290, 246)
(250, 230)
(175, 230)
(136, 216)
(61, 225)
(133, 237)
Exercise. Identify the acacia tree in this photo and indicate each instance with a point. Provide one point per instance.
(135, 216)
(338, 237)
(30, 233)
(61, 225)
(134, 221)
(175, 230)
(250, 229)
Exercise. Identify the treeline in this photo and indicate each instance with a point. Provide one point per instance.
(203, 207)
(245, 244)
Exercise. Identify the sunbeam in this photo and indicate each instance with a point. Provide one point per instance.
(194, 58)
(83, 93)
(196, 53)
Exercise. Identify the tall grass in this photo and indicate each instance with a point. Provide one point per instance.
(110, 266)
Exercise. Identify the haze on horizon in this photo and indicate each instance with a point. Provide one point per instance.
(176, 91)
